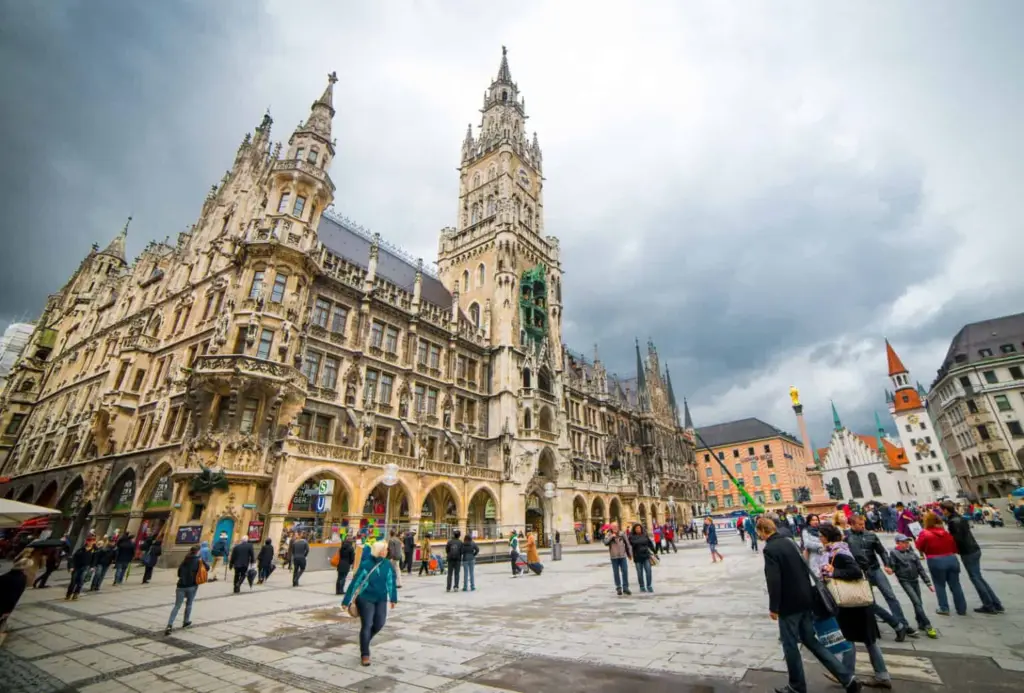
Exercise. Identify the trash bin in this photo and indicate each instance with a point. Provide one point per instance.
(556, 552)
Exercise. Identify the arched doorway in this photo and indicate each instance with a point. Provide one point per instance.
(483, 515)
(69, 504)
(27, 494)
(655, 514)
(48, 498)
(534, 517)
(579, 519)
(439, 514)
(386, 508)
(547, 468)
(641, 512)
(119, 502)
(156, 504)
(615, 511)
(319, 508)
(597, 519)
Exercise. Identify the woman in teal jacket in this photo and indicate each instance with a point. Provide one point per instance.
(373, 587)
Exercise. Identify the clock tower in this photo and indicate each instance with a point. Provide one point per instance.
(505, 276)
(908, 406)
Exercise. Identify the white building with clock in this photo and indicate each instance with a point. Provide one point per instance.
(926, 462)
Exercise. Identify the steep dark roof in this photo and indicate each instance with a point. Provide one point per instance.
(354, 245)
(739, 432)
(992, 334)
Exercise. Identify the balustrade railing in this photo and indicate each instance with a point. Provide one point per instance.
(329, 451)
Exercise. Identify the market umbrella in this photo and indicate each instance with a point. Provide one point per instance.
(1018, 493)
(13, 513)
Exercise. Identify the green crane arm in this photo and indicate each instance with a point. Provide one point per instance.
(748, 500)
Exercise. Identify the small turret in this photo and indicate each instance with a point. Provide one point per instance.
(836, 423)
(642, 396)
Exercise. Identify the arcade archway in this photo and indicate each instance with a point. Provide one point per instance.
(319, 507)
(439, 514)
(387, 508)
(534, 520)
(615, 511)
(482, 516)
(580, 519)
(597, 519)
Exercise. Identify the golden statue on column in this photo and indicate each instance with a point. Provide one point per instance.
(794, 395)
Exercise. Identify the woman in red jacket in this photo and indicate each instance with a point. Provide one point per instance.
(939, 549)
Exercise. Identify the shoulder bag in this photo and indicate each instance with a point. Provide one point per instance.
(353, 608)
(850, 593)
(822, 603)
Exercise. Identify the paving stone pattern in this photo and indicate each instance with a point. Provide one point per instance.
(704, 629)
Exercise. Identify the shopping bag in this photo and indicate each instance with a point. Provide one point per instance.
(202, 575)
(336, 558)
(830, 636)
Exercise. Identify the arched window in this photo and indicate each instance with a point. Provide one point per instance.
(544, 380)
(480, 275)
(876, 488)
(476, 180)
(492, 172)
(528, 217)
(837, 486)
(474, 313)
(492, 206)
(526, 378)
(465, 280)
(474, 215)
(504, 95)
(545, 419)
(527, 420)
(855, 490)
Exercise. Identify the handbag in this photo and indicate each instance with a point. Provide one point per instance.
(202, 575)
(850, 593)
(353, 608)
(822, 603)
(828, 634)
(336, 559)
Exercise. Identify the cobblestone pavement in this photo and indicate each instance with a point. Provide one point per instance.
(704, 629)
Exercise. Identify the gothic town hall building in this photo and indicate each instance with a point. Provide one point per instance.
(281, 368)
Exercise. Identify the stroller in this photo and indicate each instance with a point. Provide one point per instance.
(436, 565)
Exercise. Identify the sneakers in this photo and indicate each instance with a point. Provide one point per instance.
(942, 612)
(931, 632)
(901, 634)
(991, 610)
(998, 609)
(167, 630)
(618, 591)
(186, 624)
(627, 592)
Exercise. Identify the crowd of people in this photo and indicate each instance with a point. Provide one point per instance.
(822, 579)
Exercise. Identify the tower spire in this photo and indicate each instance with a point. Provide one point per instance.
(117, 247)
(321, 112)
(687, 419)
(504, 75)
(836, 423)
(895, 363)
(671, 395)
(880, 436)
(641, 381)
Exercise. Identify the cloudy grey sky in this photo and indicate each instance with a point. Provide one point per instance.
(765, 189)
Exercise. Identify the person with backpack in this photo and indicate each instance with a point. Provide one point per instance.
(453, 554)
(513, 553)
(469, 551)
(395, 556)
(191, 573)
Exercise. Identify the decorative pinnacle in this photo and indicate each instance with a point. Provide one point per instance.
(332, 77)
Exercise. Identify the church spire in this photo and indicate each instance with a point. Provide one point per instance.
(643, 398)
(836, 423)
(321, 112)
(671, 395)
(117, 247)
(687, 419)
(504, 75)
(880, 436)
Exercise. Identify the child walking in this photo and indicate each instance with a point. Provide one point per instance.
(908, 568)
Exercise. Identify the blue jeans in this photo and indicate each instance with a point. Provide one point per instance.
(643, 570)
(469, 574)
(874, 654)
(373, 616)
(621, 573)
(945, 570)
(894, 617)
(972, 564)
(913, 590)
(75, 586)
(182, 594)
(298, 568)
(97, 577)
(120, 570)
(797, 629)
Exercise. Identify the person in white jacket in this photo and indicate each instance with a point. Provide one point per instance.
(816, 554)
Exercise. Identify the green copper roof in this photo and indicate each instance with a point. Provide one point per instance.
(835, 418)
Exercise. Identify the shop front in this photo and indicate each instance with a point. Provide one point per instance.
(156, 511)
(318, 509)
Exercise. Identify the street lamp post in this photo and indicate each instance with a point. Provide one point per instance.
(389, 480)
(549, 493)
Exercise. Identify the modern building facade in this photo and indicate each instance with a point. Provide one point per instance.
(772, 464)
(861, 468)
(280, 367)
(926, 461)
(977, 401)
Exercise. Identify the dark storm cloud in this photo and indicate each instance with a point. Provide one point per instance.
(109, 109)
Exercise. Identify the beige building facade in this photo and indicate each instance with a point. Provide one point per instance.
(279, 367)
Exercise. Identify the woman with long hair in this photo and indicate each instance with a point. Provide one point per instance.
(372, 588)
(939, 549)
(857, 623)
(814, 549)
(643, 548)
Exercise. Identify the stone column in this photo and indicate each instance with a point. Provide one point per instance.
(274, 528)
(134, 522)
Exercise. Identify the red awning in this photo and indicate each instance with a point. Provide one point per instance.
(35, 523)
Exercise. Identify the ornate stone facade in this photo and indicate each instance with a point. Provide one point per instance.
(216, 381)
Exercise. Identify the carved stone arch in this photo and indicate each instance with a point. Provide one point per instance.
(145, 486)
(460, 502)
(298, 476)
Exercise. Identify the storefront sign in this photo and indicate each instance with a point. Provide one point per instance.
(161, 496)
(326, 487)
(189, 534)
(124, 499)
(248, 506)
(323, 504)
(255, 530)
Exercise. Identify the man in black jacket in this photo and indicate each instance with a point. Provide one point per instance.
(791, 603)
(453, 554)
(867, 548)
(410, 550)
(123, 556)
(970, 554)
(242, 556)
